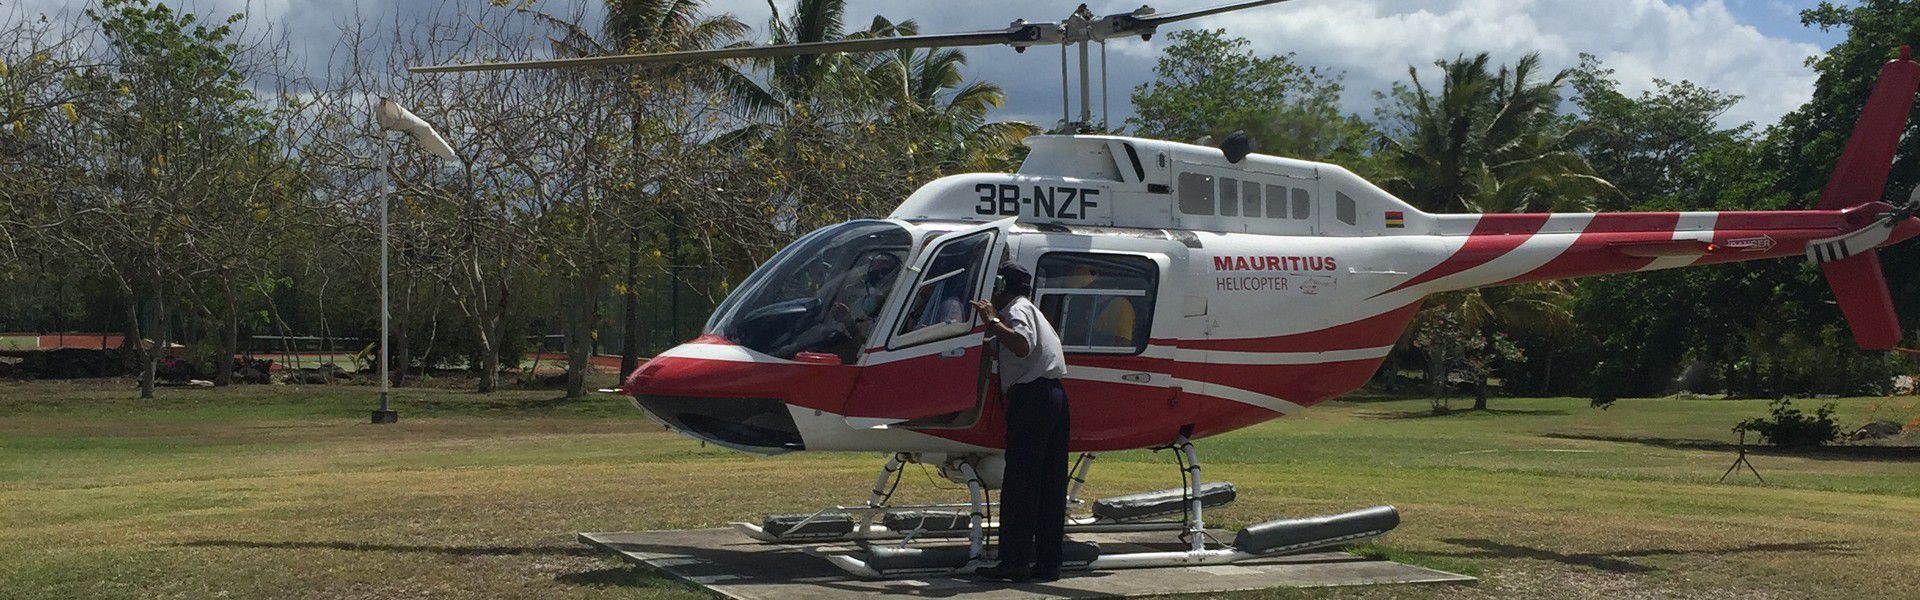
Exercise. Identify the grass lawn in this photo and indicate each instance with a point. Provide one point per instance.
(284, 492)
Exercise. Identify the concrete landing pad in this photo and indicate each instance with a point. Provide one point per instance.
(732, 565)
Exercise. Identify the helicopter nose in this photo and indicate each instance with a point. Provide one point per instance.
(716, 393)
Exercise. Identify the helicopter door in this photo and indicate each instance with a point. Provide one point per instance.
(931, 368)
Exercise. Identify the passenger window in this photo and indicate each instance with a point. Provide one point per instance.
(1098, 303)
(1229, 197)
(1250, 197)
(1276, 202)
(937, 308)
(1196, 194)
(1344, 209)
(1302, 204)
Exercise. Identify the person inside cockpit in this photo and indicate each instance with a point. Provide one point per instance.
(859, 304)
(853, 305)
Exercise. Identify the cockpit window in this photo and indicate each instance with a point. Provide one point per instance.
(939, 300)
(822, 294)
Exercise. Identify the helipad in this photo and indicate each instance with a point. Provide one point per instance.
(734, 566)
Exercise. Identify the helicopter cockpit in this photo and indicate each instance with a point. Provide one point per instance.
(821, 295)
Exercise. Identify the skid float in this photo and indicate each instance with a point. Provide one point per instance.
(1179, 509)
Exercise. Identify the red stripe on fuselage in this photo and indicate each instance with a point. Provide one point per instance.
(1494, 235)
(1593, 252)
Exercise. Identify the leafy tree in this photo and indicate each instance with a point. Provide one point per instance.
(1486, 141)
(1494, 142)
(1642, 144)
(1811, 138)
(1209, 84)
(930, 99)
(177, 147)
(1455, 348)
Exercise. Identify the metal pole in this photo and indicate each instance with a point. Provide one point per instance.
(1086, 100)
(385, 414)
(386, 312)
(1106, 118)
(1066, 110)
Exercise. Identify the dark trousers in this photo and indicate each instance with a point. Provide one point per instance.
(1033, 496)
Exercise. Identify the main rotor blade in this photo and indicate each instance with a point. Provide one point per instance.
(1158, 20)
(1012, 35)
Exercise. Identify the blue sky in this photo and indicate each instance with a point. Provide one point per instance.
(1753, 48)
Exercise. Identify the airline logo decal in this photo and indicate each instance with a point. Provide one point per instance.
(1272, 273)
(1752, 244)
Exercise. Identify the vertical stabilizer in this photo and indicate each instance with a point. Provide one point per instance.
(1861, 177)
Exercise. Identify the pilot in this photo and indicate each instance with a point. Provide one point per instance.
(861, 302)
(1033, 498)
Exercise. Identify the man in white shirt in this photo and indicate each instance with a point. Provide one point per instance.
(1033, 496)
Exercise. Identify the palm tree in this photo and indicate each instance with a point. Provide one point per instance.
(1488, 142)
(1492, 141)
(928, 95)
(643, 26)
(905, 112)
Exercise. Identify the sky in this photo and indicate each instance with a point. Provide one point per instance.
(1756, 49)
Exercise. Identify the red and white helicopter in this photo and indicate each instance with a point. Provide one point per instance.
(1198, 290)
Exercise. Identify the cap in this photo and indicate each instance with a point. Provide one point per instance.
(1015, 276)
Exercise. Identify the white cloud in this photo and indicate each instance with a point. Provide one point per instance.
(1371, 41)
(1375, 40)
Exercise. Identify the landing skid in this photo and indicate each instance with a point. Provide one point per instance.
(1178, 509)
(882, 532)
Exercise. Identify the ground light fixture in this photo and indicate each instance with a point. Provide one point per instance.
(393, 117)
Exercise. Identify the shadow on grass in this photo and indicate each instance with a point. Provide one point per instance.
(1893, 453)
(409, 548)
(1614, 562)
(1428, 414)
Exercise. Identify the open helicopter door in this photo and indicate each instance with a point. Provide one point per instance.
(930, 369)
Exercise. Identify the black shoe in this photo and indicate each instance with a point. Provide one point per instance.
(1008, 572)
(1044, 575)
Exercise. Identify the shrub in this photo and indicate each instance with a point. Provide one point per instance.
(1787, 427)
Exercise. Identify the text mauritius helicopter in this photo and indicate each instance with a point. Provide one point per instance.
(1198, 290)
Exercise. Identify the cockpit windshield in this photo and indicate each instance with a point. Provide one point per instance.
(822, 294)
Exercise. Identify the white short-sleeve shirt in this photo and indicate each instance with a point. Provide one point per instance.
(1044, 357)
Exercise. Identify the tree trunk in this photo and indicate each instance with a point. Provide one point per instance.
(630, 352)
(229, 342)
(489, 368)
(398, 368)
(583, 316)
(1436, 375)
(136, 352)
(400, 356)
(579, 344)
(130, 338)
(1480, 393)
(159, 346)
(489, 359)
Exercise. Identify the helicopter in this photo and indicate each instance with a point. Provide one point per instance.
(1197, 289)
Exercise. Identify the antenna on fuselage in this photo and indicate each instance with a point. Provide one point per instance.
(1081, 27)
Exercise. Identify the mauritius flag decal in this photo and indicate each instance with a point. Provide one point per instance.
(1396, 219)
